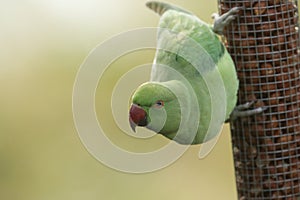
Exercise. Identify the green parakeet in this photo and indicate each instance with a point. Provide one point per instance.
(193, 86)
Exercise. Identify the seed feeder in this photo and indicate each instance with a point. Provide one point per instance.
(264, 44)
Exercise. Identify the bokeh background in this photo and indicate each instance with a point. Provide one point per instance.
(43, 44)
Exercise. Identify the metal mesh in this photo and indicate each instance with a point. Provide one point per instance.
(263, 42)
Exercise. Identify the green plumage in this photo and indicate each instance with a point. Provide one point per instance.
(193, 75)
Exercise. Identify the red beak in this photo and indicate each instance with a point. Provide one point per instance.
(137, 116)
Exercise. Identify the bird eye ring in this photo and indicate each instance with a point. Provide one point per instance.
(159, 104)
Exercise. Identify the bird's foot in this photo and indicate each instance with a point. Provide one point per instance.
(244, 110)
(221, 21)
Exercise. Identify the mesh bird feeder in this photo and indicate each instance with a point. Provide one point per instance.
(264, 44)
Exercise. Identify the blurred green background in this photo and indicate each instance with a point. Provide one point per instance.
(43, 44)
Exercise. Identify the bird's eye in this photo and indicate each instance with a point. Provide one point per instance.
(159, 104)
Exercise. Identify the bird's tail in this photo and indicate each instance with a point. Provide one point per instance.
(161, 7)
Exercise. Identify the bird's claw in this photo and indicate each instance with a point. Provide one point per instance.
(244, 110)
(220, 22)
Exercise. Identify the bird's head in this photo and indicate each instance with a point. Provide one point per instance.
(155, 107)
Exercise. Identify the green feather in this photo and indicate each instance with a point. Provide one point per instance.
(192, 69)
(161, 8)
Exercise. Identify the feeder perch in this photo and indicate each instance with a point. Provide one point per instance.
(264, 44)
